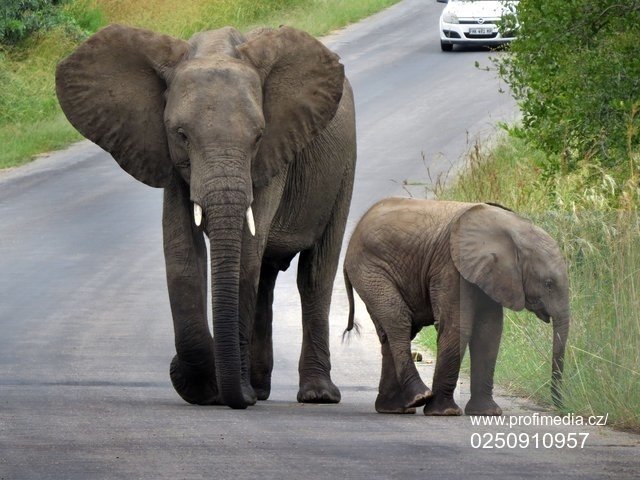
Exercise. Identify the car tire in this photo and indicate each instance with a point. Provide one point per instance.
(446, 47)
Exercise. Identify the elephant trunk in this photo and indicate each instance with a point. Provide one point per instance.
(560, 334)
(225, 221)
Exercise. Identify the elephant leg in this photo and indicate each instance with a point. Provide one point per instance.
(451, 347)
(483, 349)
(255, 320)
(390, 397)
(257, 283)
(401, 388)
(315, 280)
(316, 273)
(192, 369)
(454, 330)
(261, 342)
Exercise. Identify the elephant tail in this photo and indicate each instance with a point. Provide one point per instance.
(351, 323)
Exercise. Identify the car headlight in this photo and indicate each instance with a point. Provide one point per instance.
(449, 17)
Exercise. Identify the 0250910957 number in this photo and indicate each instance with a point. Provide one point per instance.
(528, 440)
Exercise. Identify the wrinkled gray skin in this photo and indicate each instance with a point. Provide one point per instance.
(453, 265)
(224, 122)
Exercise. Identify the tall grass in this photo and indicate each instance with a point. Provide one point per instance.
(602, 247)
(30, 119)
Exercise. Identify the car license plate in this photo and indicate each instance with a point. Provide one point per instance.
(481, 31)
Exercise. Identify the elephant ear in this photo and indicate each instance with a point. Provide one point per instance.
(302, 86)
(111, 88)
(485, 254)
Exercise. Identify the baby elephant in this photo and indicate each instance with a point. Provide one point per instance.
(452, 265)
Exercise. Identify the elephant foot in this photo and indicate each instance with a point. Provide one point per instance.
(196, 384)
(441, 406)
(403, 403)
(393, 404)
(396, 411)
(262, 393)
(416, 394)
(249, 394)
(262, 386)
(318, 391)
(482, 407)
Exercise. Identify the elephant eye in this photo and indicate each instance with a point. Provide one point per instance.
(548, 284)
(182, 135)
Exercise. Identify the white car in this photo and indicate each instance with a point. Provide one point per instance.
(474, 22)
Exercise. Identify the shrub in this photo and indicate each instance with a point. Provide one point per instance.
(575, 72)
(20, 18)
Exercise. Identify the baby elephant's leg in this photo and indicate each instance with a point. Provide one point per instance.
(401, 388)
(483, 348)
(450, 351)
(390, 395)
(452, 343)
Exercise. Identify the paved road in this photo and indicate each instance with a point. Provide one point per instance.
(86, 333)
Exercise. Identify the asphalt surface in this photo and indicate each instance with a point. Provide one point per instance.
(86, 332)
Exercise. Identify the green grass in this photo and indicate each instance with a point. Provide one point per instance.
(320, 17)
(602, 247)
(30, 119)
(21, 141)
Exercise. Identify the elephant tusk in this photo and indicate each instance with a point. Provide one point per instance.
(197, 214)
(250, 221)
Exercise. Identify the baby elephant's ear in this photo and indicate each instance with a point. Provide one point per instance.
(485, 254)
(111, 88)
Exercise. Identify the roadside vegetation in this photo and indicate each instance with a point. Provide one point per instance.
(573, 167)
(36, 34)
(602, 247)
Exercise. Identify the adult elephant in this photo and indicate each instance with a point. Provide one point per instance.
(258, 127)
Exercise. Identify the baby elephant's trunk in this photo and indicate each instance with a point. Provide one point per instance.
(560, 334)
